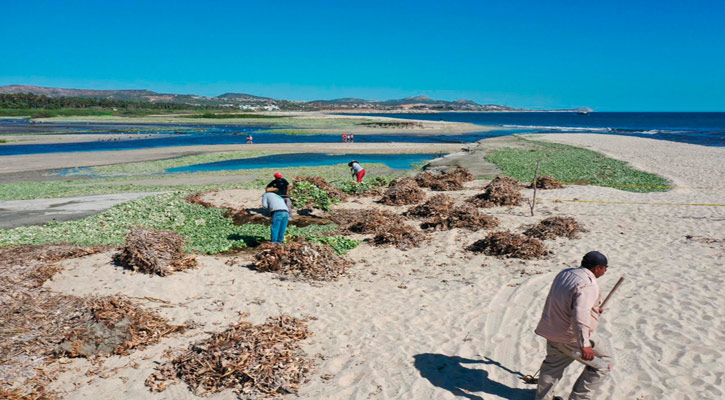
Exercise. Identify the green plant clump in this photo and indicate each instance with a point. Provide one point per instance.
(305, 194)
(205, 228)
(575, 165)
(340, 244)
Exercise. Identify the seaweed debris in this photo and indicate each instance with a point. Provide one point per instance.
(155, 252)
(554, 227)
(363, 221)
(400, 236)
(507, 244)
(403, 191)
(445, 181)
(465, 216)
(301, 260)
(502, 191)
(546, 182)
(254, 360)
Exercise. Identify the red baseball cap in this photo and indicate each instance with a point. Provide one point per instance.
(277, 175)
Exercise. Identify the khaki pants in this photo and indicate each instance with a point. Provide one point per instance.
(558, 357)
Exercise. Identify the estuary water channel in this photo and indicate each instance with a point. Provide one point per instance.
(155, 136)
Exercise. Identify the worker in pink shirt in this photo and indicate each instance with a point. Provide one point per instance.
(570, 316)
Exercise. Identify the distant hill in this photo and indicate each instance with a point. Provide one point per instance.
(246, 101)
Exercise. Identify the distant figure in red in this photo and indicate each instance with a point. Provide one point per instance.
(250, 139)
(344, 137)
(357, 170)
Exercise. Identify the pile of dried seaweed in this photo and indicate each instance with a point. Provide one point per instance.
(402, 191)
(112, 325)
(546, 182)
(463, 173)
(502, 191)
(255, 360)
(554, 227)
(465, 216)
(445, 181)
(332, 191)
(437, 205)
(155, 252)
(35, 323)
(507, 244)
(398, 235)
(363, 221)
(301, 260)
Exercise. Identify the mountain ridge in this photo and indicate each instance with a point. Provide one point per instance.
(246, 101)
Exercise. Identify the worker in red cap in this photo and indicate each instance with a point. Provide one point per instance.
(280, 186)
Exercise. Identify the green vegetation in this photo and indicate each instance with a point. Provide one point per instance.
(351, 187)
(231, 115)
(305, 193)
(25, 101)
(3, 141)
(576, 166)
(205, 228)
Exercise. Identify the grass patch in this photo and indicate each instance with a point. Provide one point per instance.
(574, 165)
(205, 228)
(248, 179)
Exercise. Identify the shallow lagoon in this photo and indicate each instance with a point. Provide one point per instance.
(394, 161)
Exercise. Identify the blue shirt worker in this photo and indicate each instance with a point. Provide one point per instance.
(278, 211)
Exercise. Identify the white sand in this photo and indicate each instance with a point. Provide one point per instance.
(403, 324)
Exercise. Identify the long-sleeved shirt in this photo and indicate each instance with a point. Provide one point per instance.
(571, 312)
(273, 202)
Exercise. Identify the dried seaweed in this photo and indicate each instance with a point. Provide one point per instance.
(402, 191)
(546, 182)
(400, 236)
(301, 260)
(502, 191)
(437, 205)
(363, 221)
(35, 323)
(465, 216)
(255, 360)
(332, 191)
(443, 182)
(155, 252)
(103, 326)
(553, 227)
(507, 244)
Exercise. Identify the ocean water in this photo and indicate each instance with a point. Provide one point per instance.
(703, 128)
(698, 128)
(395, 161)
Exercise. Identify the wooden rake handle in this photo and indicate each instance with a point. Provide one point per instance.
(611, 292)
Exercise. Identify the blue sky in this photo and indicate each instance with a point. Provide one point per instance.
(612, 56)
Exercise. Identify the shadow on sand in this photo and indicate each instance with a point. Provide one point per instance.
(447, 372)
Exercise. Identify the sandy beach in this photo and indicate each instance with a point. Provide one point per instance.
(440, 322)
